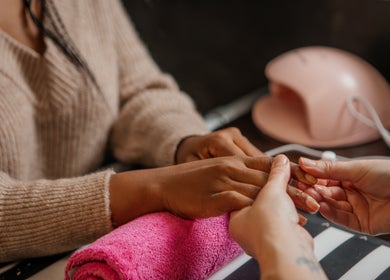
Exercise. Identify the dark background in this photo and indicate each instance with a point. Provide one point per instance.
(217, 49)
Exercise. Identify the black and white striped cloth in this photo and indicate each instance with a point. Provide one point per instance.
(342, 254)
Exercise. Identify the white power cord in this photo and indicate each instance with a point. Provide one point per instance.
(374, 122)
(324, 155)
(223, 115)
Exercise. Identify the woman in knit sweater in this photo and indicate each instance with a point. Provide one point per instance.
(76, 83)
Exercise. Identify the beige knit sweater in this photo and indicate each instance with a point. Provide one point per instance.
(55, 129)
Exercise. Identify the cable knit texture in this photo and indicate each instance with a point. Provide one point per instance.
(55, 128)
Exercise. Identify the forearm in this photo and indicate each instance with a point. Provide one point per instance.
(46, 217)
(288, 261)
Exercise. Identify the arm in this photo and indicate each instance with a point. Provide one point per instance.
(154, 114)
(354, 194)
(46, 217)
(269, 230)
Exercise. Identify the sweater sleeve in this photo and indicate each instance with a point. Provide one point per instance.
(155, 115)
(46, 217)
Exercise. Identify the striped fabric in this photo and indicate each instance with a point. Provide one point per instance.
(342, 254)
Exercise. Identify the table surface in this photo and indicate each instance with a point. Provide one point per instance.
(265, 143)
(35, 268)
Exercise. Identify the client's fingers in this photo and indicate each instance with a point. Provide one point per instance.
(337, 193)
(302, 200)
(247, 147)
(229, 201)
(262, 163)
(302, 176)
(310, 190)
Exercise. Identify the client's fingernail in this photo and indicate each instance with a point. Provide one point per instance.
(311, 179)
(302, 220)
(321, 189)
(312, 204)
(308, 162)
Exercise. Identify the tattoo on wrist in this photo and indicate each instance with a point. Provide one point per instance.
(312, 264)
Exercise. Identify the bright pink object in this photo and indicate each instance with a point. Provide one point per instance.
(157, 246)
(309, 89)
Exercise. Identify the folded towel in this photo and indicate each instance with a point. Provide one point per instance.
(157, 246)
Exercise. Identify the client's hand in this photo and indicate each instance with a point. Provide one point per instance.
(230, 142)
(196, 189)
(269, 230)
(224, 142)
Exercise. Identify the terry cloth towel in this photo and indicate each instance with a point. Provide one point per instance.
(157, 246)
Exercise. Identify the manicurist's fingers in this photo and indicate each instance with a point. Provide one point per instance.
(279, 175)
(338, 216)
(230, 201)
(335, 170)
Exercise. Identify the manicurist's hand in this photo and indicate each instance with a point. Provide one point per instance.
(230, 142)
(269, 230)
(354, 194)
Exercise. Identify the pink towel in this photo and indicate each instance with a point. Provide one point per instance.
(157, 246)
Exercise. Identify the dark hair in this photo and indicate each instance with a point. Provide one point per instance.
(60, 37)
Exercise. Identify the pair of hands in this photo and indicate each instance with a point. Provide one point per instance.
(229, 177)
(230, 142)
(267, 224)
(354, 194)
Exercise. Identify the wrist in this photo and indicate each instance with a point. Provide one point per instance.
(279, 257)
(132, 195)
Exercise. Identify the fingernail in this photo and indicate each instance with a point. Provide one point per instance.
(312, 204)
(321, 189)
(302, 220)
(281, 160)
(311, 179)
(308, 162)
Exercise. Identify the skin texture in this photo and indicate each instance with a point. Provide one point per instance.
(230, 141)
(354, 194)
(269, 230)
(225, 176)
